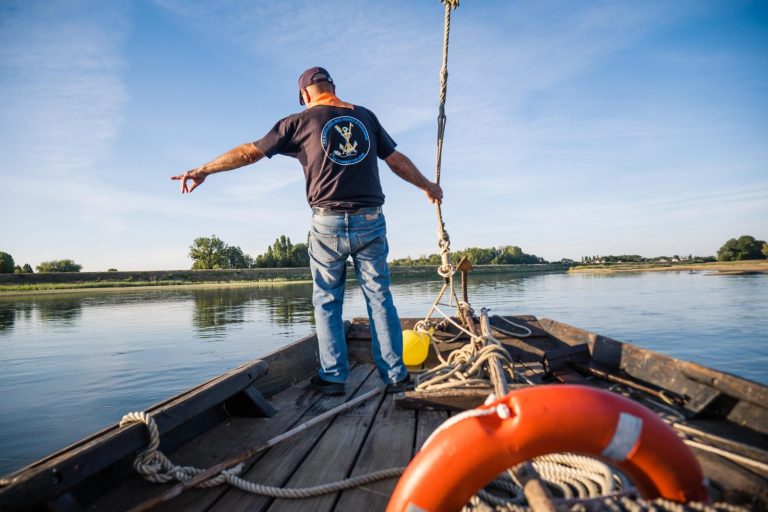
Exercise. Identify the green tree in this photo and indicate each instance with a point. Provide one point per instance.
(6, 263)
(59, 266)
(212, 253)
(742, 248)
(208, 253)
(236, 258)
(765, 250)
(27, 269)
(283, 253)
(300, 255)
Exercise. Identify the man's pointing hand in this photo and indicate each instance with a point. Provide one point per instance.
(195, 175)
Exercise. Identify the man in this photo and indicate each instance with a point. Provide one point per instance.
(337, 144)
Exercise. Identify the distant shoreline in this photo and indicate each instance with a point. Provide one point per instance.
(719, 267)
(72, 282)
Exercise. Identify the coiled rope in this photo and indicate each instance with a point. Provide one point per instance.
(466, 367)
(154, 466)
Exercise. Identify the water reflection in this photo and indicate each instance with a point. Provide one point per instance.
(7, 318)
(289, 305)
(60, 312)
(53, 311)
(217, 310)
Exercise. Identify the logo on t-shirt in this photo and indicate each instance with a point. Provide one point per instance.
(345, 140)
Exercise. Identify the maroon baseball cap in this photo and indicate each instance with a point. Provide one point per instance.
(311, 76)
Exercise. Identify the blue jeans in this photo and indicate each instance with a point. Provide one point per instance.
(363, 236)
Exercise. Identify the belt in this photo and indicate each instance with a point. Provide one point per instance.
(329, 211)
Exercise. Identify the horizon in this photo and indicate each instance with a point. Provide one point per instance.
(572, 129)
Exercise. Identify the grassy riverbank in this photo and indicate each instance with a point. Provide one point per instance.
(720, 267)
(13, 284)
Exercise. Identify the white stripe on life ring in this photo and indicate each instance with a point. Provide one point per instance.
(625, 437)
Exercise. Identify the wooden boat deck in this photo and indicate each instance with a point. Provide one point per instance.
(372, 436)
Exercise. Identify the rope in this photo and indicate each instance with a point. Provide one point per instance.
(527, 331)
(584, 484)
(155, 467)
(444, 241)
(465, 367)
(318, 490)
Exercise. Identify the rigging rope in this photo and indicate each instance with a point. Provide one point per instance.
(444, 241)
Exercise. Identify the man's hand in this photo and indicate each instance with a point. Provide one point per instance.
(403, 167)
(197, 177)
(434, 193)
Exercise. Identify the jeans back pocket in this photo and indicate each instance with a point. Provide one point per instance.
(324, 248)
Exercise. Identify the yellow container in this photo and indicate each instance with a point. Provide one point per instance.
(415, 347)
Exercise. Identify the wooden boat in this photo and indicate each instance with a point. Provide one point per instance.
(723, 417)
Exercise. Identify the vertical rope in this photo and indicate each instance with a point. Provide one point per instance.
(444, 241)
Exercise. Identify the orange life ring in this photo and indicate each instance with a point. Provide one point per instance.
(549, 419)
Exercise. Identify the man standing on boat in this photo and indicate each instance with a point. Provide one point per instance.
(337, 144)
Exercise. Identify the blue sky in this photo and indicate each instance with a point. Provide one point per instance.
(574, 128)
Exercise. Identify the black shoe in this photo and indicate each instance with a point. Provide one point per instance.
(326, 387)
(401, 386)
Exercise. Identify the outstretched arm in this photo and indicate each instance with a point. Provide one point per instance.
(245, 154)
(403, 167)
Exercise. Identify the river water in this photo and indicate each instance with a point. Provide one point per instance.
(71, 364)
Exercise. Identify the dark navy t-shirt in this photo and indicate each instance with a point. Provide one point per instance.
(337, 147)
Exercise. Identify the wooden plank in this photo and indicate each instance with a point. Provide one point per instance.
(732, 477)
(65, 503)
(289, 365)
(388, 445)
(226, 439)
(332, 457)
(743, 389)
(556, 359)
(426, 423)
(56, 474)
(446, 399)
(249, 402)
(277, 466)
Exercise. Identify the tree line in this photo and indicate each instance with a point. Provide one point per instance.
(8, 266)
(635, 258)
(503, 255)
(213, 253)
(745, 247)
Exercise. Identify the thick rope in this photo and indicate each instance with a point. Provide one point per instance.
(155, 467)
(444, 241)
(466, 367)
(585, 484)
